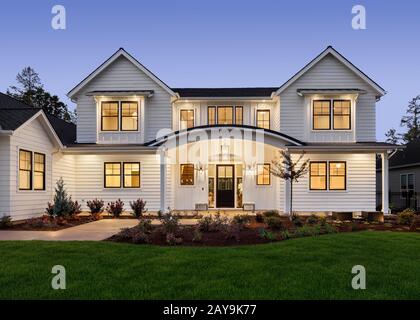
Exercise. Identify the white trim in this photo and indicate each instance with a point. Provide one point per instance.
(47, 122)
(339, 57)
(121, 52)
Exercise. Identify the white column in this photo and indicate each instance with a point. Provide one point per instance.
(162, 180)
(385, 183)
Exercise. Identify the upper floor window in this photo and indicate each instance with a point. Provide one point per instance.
(186, 119)
(263, 174)
(129, 116)
(322, 115)
(119, 116)
(263, 119)
(339, 118)
(25, 170)
(39, 171)
(187, 174)
(225, 115)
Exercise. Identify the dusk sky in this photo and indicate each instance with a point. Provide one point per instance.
(215, 43)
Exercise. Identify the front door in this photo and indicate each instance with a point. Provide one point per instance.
(225, 186)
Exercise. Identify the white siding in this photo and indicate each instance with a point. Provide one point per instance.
(64, 166)
(32, 137)
(328, 73)
(5, 175)
(123, 75)
(360, 193)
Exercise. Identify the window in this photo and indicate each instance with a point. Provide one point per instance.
(129, 116)
(337, 175)
(39, 171)
(25, 170)
(187, 174)
(341, 112)
(211, 115)
(225, 115)
(263, 174)
(109, 116)
(131, 174)
(322, 115)
(239, 115)
(186, 119)
(407, 185)
(318, 176)
(263, 119)
(112, 175)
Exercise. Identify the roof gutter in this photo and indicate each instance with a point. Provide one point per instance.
(6, 132)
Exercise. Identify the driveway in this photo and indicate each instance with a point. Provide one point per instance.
(93, 231)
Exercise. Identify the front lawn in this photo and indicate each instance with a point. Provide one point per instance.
(304, 268)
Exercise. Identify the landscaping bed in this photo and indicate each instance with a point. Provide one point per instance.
(48, 223)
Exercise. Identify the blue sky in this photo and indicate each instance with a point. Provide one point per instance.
(215, 43)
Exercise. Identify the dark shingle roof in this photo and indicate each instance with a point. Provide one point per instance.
(14, 113)
(225, 92)
(409, 156)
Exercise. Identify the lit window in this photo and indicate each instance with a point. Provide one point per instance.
(322, 115)
(341, 112)
(129, 116)
(187, 174)
(211, 115)
(407, 185)
(131, 174)
(39, 171)
(318, 176)
(25, 170)
(338, 175)
(239, 115)
(263, 174)
(186, 119)
(225, 115)
(109, 116)
(263, 119)
(112, 175)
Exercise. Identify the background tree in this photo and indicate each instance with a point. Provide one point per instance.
(392, 136)
(29, 89)
(285, 168)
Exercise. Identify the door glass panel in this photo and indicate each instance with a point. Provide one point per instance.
(239, 190)
(211, 192)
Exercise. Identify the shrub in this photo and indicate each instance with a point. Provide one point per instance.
(115, 208)
(170, 223)
(140, 237)
(172, 240)
(259, 218)
(285, 235)
(49, 209)
(5, 222)
(145, 225)
(62, 202)
(138, 206)
(266, 235)
(329, 228)
(74, 207)
(96, 206)
(197, 236)
(297, 221)
(322, 221)
(274, 223)
(308, 231)
(406, 217)
(213, 224)
(271, 213)
(241, 220)
(232, 231)
(312, 219)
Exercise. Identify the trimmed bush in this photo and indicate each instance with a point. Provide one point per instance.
(170, 223)
(213, 224)
(266, 235)
(259, 218)
(312, 219)
(5, 222)
(115, 208)
(274, 223)
(406, 217)
(271, 213)
(241, 220)
(138, 206)
(96, 206)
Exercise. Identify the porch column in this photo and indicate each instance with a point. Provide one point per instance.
(385, 183)
(162, 179)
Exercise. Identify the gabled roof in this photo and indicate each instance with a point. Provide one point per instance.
(119, 53)
(330, 50)
(66, 131)
(257, 92)
(410, 156)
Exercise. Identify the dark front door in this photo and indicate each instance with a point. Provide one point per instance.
(225, 186)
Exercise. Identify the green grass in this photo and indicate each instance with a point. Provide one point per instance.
(305, 268)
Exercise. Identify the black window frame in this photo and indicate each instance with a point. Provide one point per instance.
(121, 116)
(180, 174)
(43, 172)
(180, 119)
(225, 107)
(105, 175)
(318, 175)
(335, 175)
(118, 116)
(242, 115)
(269, 174)
(319, 115)
(214, 108)
(269, 118)
(131, 175)
(333, 114)
(26, 170)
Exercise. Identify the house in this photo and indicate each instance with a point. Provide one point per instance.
(199, 148)
(404, 171)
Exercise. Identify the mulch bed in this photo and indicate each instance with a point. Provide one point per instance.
(46, 223)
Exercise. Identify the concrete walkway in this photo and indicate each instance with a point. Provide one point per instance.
(93, 231)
